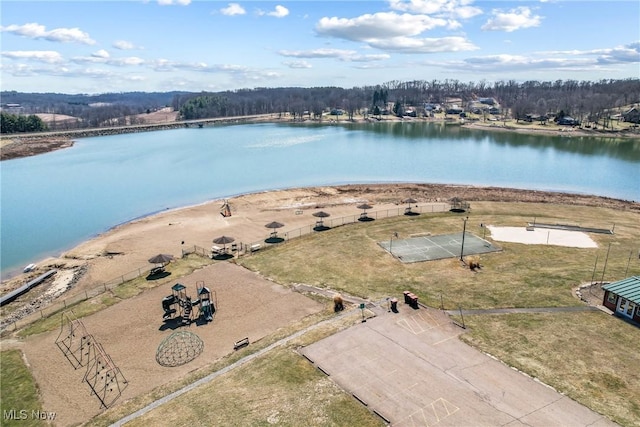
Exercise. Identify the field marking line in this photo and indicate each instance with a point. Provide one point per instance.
(444, 340)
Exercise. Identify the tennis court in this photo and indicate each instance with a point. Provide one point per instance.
(428, 248)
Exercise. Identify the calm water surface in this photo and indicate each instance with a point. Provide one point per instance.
(53, 201)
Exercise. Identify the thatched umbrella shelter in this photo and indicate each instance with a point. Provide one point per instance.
(363, 215)
(161, 259)
(458, 205)
(223, 240)
(409, 201)
(274, 225)
(320, 223)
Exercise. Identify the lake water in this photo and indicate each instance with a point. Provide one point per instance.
(53, 201)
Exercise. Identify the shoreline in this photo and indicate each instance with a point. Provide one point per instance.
(15, 146)
(126, 248)
(387, 194)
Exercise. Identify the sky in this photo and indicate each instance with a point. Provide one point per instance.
(93, 47)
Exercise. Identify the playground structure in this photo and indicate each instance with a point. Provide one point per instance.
(180, 306)
(81, 349)
(179, 348)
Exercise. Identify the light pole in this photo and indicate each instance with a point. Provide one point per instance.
(395, 234)
(464, 229)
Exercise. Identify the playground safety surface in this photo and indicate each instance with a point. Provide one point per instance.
(411, 369)
(131, 331)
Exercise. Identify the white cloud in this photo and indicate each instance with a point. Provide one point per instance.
(279, 12)
(233, 9)
(36, 31)
(377, 26)
(460, 9)
(367, 58)
(97, 58)
(100, 54)
(124, 45)
(569, 60)
(391, 31)
(174, 2)
(424, 45)
(47, 56)
(342, 55)
(297, 64)
(239, 73)
(515, 19)
(317, 53)
(629, 53)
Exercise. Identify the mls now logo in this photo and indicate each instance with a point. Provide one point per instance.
(23, 414)
(14, 414)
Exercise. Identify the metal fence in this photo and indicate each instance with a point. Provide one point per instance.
(31, 316)
(350, 219)
(29, 313)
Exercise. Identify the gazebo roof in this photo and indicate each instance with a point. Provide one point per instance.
(628, 288)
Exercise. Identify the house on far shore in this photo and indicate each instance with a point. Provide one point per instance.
(632, 115)
(623, 298)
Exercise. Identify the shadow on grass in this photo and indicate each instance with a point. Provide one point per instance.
(366, 219)
(222, 257)
(274, 240)
(160, 275)
(321, 228)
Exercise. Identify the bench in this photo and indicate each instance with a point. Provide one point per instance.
(156, 270)
(255, 247)
(240, 344)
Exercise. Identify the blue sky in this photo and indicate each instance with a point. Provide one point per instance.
(196, 45)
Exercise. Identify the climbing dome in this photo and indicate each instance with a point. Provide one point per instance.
(179, 348)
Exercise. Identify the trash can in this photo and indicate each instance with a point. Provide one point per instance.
(407, 299)
(394, 304)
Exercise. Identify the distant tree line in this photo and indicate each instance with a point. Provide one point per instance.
(593, 101)
(14, 123)
(585, 100)
(88, 111)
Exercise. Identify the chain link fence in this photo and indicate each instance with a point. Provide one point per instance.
(29, 314)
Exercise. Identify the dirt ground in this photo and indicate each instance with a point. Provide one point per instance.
(130, 332)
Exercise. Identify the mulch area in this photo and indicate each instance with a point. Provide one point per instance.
(247, 306)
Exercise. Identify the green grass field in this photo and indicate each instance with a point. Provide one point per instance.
(19, 398)
(592, 357)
